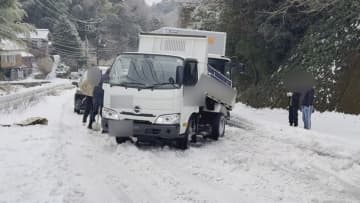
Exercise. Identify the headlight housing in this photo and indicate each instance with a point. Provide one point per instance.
(110, 114)
(168, 119)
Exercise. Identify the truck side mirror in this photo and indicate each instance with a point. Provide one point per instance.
(190, 73)
(179, 75)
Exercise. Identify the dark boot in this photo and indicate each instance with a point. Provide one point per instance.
(193, 139)
(296, 110)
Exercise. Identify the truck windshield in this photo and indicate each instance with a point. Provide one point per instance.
(145, 71)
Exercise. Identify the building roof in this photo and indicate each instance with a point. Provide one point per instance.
(11, 47)
(7, 45)
(38, 34)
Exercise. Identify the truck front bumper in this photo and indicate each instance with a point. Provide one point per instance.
(128, 128)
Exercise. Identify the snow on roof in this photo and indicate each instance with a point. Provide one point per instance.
(38, 34)
(7, 45)
(25, 54)
(11, 47)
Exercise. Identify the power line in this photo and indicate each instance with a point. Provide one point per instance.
(57, 11)
(65, 46)
(68, 51)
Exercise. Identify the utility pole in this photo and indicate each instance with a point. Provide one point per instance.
(98, 42)
(86, 50)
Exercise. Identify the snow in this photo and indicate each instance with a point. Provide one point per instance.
(6, 89)
(16, 95)
(151, 2)
(333, 124)
(38, 34)
(333, 67)
(7, 45)
(259, 160)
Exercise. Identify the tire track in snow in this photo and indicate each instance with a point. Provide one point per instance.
(82, 177)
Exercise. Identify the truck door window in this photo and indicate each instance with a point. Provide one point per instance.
(191, 73)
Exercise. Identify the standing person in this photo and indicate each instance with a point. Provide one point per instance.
(91, 79)
(98, 97)
(294, 105)
(308, 107)
(87, 89)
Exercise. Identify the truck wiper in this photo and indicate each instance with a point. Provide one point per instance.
(163, 84)
(126, 84)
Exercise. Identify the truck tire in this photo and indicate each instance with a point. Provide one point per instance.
(218, 124)
(77, 106)
(104, 125)
(183, 143)
(121, 140)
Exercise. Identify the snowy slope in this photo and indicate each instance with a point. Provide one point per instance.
(260, 160)
(343, 126)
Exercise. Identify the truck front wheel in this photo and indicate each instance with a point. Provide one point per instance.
(183, 143)
(121, 140)
(218, 126)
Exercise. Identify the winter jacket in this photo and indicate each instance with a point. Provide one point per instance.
(90, 80)
(308, 99)
(295, 100)
(86, 88)
(98, 95)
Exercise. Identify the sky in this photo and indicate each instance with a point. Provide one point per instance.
(150, 2)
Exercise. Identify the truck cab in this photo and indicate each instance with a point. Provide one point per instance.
(171, 89)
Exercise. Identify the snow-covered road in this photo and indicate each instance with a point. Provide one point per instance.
(260, 160)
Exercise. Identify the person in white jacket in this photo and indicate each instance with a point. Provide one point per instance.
(91, 79)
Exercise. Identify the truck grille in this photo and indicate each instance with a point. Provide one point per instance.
(152, 131)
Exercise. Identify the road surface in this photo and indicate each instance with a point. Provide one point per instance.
(254, 162)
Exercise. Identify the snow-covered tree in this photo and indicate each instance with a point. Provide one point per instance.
(11, 15)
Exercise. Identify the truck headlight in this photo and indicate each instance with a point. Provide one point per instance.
(168, 119)
(110, 114)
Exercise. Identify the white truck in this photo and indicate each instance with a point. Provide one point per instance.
(176, 87)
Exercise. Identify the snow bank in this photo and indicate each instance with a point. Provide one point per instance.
(335, 135)
(26, 95)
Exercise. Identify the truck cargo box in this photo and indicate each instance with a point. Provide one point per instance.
(216, 40)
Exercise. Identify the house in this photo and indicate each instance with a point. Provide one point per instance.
(38, 42)
(15, 61)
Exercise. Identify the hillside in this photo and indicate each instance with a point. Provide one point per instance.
(89, 29)
(279, 39)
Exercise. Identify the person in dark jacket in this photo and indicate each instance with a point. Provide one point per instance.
(294, 105)
(307, 107)
(97, 102)
(88, 107)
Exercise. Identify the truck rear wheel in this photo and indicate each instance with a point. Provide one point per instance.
(218, 124)
(77, 106)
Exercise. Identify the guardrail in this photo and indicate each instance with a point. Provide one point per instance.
(8, 102)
